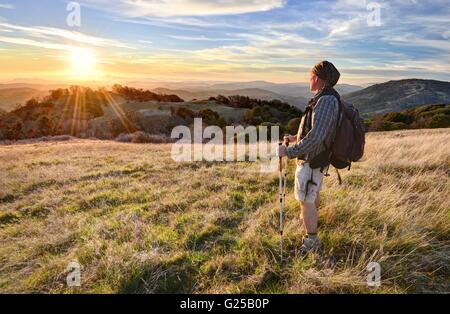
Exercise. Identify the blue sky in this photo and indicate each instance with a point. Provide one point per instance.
(235, 40)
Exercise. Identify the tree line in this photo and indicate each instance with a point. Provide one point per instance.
(422, 117)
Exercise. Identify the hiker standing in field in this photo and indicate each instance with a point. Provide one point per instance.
(312, 143)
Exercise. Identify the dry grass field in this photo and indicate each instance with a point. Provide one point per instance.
(138, 222)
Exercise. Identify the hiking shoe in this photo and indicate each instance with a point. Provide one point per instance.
(311, 243)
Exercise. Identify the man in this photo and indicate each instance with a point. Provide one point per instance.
(314, 138)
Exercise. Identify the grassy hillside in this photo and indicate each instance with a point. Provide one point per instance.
(150, 108)
(399, 95)
(139, 222)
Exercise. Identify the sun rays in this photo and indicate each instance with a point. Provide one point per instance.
(84, 112)
(118, 111)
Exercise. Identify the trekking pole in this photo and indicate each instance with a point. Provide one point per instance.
(282, 197)
(280, 168)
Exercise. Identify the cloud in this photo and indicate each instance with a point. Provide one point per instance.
(340, 29)
(302, 35)
(412, 40)
(6, 6)
(51, 33)
(34, 43)
(202, 38)
(168, 8)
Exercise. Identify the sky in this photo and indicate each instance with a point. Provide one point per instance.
(223, 40)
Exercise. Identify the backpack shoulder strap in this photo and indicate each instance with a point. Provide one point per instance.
(307, 120)
(312, 104)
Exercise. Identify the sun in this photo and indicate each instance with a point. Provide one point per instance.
(83, 63)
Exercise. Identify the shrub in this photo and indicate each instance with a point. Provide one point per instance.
(185, 113)
(399, 117)
(222, 99)
(142, 137)
(211, 117)
(439, 121)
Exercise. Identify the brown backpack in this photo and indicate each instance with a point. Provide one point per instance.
(350, 139)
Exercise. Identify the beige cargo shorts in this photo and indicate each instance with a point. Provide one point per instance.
(308, 182)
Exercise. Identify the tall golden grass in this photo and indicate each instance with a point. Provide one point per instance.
(137, 221)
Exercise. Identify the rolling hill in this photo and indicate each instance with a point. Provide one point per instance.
(83, 112)
(399, 95)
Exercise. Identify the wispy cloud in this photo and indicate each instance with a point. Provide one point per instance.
(6, 6)
(203, 38)
(34, 43)
(166, 8)
(179, 23)
(59, 33)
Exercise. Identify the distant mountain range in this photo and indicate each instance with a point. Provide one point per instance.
(288, 89)
(41, 87)
(297, 94)
(258, 93)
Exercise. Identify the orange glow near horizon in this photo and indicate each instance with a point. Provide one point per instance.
(97, 67)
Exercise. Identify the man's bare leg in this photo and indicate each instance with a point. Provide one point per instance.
(302, 218)
(310, 217)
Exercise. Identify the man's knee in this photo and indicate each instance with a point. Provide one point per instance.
(307, 204)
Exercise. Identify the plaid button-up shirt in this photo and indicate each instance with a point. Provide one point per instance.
(323, 128)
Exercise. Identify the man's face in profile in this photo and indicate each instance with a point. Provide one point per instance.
(313, 82)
